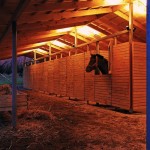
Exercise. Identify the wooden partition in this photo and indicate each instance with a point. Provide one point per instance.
(67, 77)
(70, 76)
(139, 76)
(45, 76)
(63, 76)
(56, 76)
(50, 77)
(120, 76)
(89, 81)
(79, 76)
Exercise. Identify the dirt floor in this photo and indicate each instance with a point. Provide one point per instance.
(54, 123)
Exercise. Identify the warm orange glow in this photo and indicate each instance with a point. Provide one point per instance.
(64, 30)
(88, 31)
(41, 51)
(113, 2)
(59, 44)
(139, 7)
(144, 2)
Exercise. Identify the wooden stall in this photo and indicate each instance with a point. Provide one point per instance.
(63, 76)
(67, 77)
(6, 101)
(121, 76)
(79, 76)
(89, 81)
(70, 76)
(50, 81)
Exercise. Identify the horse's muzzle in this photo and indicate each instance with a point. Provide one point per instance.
(89, 69)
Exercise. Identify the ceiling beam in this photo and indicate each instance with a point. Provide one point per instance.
(45, 25)
(125, 17)
(63, 15)
(100, 39)
(98, 28)
(70, 5)
(20, 7)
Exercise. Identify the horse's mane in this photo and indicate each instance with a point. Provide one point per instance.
(99, 56)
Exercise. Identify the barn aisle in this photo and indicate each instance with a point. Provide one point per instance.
(54, 123)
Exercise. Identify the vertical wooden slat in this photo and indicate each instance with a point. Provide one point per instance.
(89, 80)
(121, 76)
(139, 76)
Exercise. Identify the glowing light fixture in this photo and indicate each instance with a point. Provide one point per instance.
(41, 51)
(113, 2)
(64, 30)
(144, 2)
(139, 7)
(59, 44)
(88, 31)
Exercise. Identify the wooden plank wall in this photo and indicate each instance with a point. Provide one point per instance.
(56, 76)
(139, 76)
(45, 76)
(50, 77)
(102, 85)
(79, 76)
(63, 76)
(67, 77)
(6, 102)
(70, 76)
(89, 81)
(120, 76)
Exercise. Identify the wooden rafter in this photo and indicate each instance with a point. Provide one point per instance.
(100, 39)
(51, 25)
(69, 5)
(124, 16)
(63, 15)
(21, 5)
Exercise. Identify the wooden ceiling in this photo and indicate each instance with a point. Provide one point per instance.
(38, 21)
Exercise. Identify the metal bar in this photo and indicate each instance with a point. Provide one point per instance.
(131, 53)
(14, 74)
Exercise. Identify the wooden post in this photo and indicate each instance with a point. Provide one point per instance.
(148, 78)
(50, 52)
(88, 48)
(14, 74)
(130, 53)
(61, 55)
(34, 56)
(110, 51)
(76, 38)
(56, 57)
(97, 47)
(115, 40)
(69, 53)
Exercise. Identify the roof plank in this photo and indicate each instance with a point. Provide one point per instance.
(62, 15)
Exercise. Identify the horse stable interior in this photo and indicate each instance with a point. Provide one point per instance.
(60, 35)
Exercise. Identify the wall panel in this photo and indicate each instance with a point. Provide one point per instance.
(139, 76)
(120, 76)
